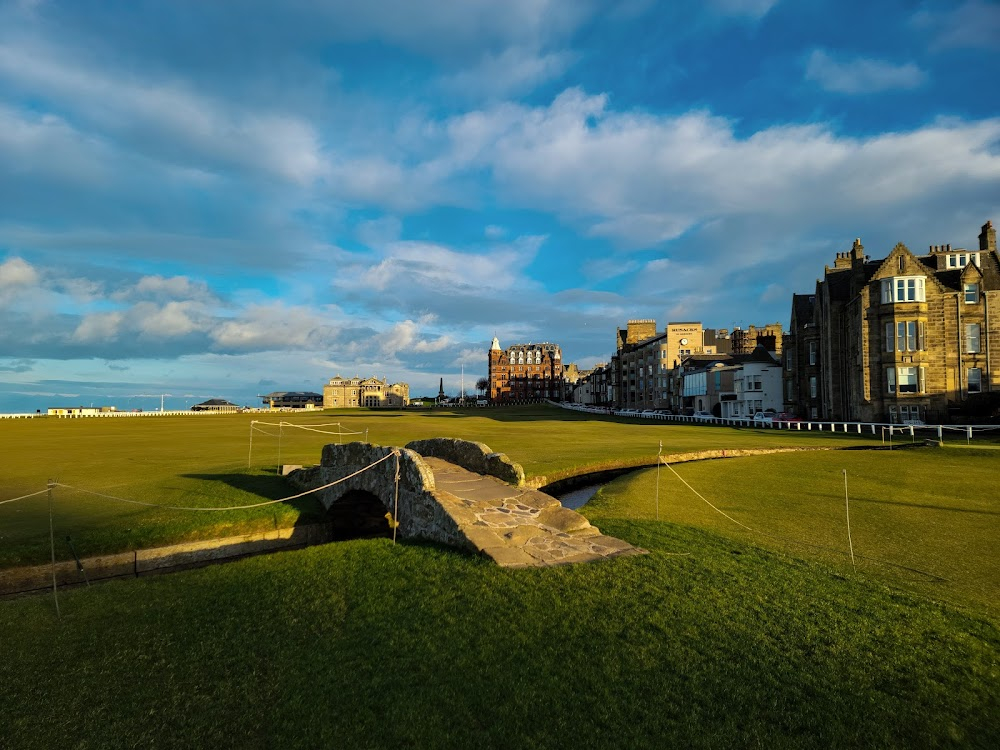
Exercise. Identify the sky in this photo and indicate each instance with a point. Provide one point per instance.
(222, 199)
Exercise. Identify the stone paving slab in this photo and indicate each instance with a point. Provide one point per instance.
(518, 526)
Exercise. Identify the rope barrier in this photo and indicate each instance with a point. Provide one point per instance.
(233, 507)
(24, 497)
(798, 541)
(309, 428)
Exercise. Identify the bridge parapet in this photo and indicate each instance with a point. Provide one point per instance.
(473, 456)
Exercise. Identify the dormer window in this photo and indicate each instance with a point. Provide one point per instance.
(903, 289)
(961, 260)
(971, 292)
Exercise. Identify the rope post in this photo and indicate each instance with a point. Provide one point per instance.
(250, 456)
(52, 544)
(658, 454)
(277, 469)
(847, 506)
(395, 505)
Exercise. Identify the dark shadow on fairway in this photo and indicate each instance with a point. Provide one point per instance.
(926, 507)
(269, 487)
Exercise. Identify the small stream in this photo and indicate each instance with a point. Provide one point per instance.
(576, 499)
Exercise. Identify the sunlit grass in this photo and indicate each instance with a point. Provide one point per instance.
(928, 520)
(207, 461)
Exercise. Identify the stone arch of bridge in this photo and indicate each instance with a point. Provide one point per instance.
(358, 514)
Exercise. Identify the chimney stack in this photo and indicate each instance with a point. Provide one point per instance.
(988, 237)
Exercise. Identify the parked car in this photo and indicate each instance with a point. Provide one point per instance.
(784, 417)
(764, 418)
(703, 416)
(914, 422)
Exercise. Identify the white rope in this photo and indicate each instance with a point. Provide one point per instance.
(798, 541)
(233, 507)
(264, 432)
(310, 429)
(24, 497)
(722, 512)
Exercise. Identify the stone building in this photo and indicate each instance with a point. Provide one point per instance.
(525, 372)
(645, 359)
(293, 400)
(746, 340)
(355, 392)
(905, 337)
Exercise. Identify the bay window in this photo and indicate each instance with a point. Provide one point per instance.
(903, 289)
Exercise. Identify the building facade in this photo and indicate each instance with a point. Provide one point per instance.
(525, 372)
(757, 385)
(293, 400)
(902, 338)
(340, 393)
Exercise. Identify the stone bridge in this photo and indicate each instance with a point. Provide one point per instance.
(457, 493)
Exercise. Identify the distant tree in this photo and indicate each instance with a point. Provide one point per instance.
(482, 385)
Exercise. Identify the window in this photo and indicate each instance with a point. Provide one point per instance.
(971, 293)
(754, 383)
(890, 337)
(903, 289)
(972, 338)
(890, 379)
(812, 386)
(908, 380)
(813, 351)
(909, 336)
(975, 380)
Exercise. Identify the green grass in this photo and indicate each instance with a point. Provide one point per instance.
(720, 637)
(927, 520)
(203, 462)
(366, 644)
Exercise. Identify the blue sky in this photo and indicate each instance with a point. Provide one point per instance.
(228, 198)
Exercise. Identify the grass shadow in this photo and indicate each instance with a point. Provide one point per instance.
(269, 487)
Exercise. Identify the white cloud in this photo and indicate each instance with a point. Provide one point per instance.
(274, 327)
(405, 338)
(99, 328)
(162, 288)
(974, 23)
(172, 320)
(749, 8)
(512, 71)
(17, 272)
(160, 117)
(439, 269)
(861, 75)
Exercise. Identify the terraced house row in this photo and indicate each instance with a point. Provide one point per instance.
(900, 338)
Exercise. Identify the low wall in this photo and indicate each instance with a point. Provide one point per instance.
(473, 456)
(157, 559)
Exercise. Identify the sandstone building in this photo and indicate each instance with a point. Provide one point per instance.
(525, 372)
(905, 337)
(354, 392)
